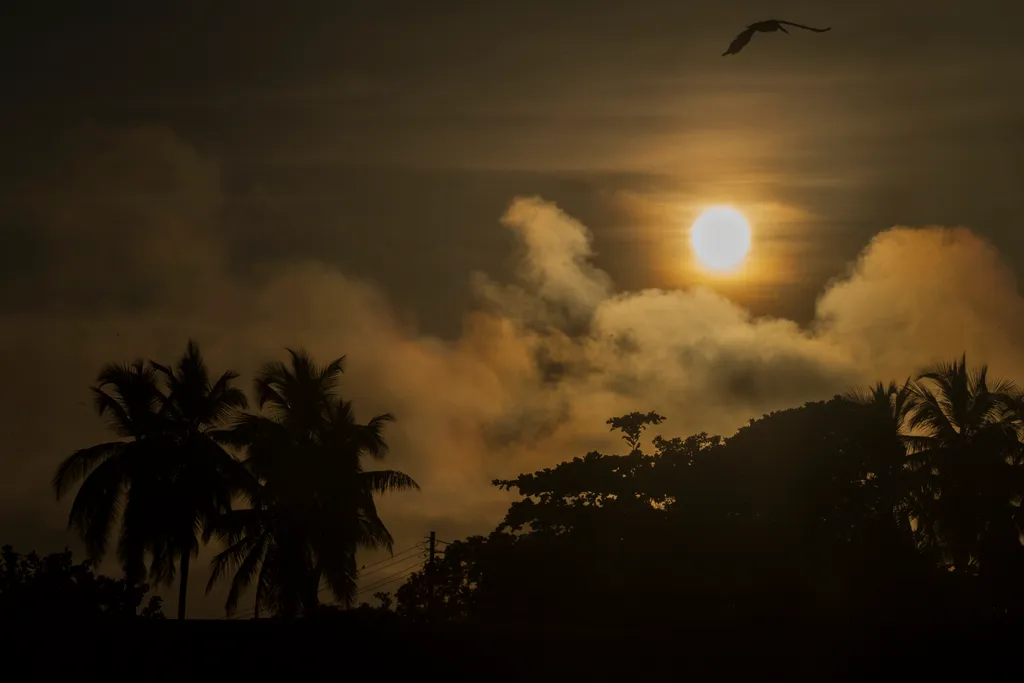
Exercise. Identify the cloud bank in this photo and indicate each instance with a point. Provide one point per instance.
(133, 263)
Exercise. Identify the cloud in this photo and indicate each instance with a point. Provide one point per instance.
(925, 294)
(135, 265)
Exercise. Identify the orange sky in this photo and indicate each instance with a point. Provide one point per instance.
(484, 207)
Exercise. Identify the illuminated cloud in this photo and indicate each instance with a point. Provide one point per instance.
(135, 266)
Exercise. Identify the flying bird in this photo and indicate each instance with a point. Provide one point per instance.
(768, 26)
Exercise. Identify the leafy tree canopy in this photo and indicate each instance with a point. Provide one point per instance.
(55, 587)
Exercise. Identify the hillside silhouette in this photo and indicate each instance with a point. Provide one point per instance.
(884, 514)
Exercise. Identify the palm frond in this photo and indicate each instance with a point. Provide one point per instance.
(330, 375)
(133, 542)
(372, 532)
(932, 413)
(247, 570)
(80, 463)
(385, 481)
(239, 523)
(271, 375)
(134, 397)
(226, 399)
(97, 504)
(341, 578)
(230, 558)
(268, 585)
(371, 436)
(167, 372)
(918, 444)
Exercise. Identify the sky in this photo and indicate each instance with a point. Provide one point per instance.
(484, 207)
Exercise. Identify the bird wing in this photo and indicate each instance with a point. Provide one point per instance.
(809, 28)
(739, 41)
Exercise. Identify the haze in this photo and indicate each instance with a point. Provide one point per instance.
(484, 207)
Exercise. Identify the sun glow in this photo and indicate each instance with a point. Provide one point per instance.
(720, 238)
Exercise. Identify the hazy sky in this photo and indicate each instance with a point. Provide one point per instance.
(484, 205)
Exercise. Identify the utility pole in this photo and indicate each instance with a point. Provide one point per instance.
(430, 575)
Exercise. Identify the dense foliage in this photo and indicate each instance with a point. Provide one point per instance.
(903, 501)
(54, 587)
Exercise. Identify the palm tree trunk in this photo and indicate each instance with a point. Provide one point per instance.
(183, 586)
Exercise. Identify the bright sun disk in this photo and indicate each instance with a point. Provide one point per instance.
(720, 238)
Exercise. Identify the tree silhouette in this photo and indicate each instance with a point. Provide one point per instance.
(451, 589)
(55, 588)
(896, 503)
(312, 503)
(128, 396)
(206, 476)
(385, 599)
(958, 425)
(803, 514)
(965, 455)
(633, 425)
(168, 480)
(883, 434)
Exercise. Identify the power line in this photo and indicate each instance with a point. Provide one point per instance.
(404, 575)
(390, 560)
(392, 578)
(386, 563)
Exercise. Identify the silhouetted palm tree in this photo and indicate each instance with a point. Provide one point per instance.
(312, 502)
(128, 396)
(169, 479)
(886, 434)
(963, 429)
(207, 476)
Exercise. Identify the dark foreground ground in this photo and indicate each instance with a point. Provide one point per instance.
(355, 648)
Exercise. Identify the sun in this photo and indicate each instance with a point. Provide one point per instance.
(720, 238)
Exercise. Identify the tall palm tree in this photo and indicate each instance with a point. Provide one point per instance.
(312, 503)
(168, 479)
(885, 433)
(963, 430)
(207, 477)
(114, 474)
